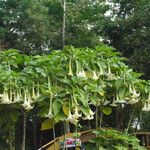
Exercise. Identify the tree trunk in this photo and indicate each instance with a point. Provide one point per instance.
(64, 24)
(10, 139)
(34, 133)
(24, 131)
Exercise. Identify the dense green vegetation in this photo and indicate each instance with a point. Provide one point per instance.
(76, 83)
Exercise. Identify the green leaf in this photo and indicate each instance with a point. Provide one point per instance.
(106, 110)
(47, 124)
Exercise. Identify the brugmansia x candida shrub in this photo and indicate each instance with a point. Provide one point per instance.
(65, 84)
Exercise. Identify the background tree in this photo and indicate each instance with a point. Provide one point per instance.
(128, 31)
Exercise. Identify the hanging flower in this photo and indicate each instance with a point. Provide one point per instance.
(81, 74)
(113, 104)
(146, 106)
(50, 115)
(110, 76)
(118, 100)
(27, 104)
(88, 117)
(95, 77)
(76, 114)
(106, 102)
(133, 101)
(5, 98)
(17, 97)
(72, 118)
(133, 92)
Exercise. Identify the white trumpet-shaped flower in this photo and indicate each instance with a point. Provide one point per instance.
(146, 106)
(33, 93)
(49, 115)
(81, 74)
(76, 114)
(118, 100)
(110, 76)
(17, 97)
(113, 104)
(95, 77)
(72, 118)
(27, 106)
(5, 98)
(27, 103)
(1, 95)
(106, 102)
(133, 92)
(88, 117)
(133, 101)
(91, 112)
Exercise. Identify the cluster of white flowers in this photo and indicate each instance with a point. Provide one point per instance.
(18, 95)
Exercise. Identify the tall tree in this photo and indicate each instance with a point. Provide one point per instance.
(128, 31)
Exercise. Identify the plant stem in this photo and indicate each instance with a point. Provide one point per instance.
(96, 117)
(10, 139)
(101, 119)
(24, 130)
(76, 136)
(129, 123)
(54, 135)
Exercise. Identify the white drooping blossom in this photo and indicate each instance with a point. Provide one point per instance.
(118, 100)
(110, 76)
(17, 97)
(5, 98)
(27, 101)
(50, 114)
(81, 74)
(146, 106)
(89, 116)
(76, 114)
(134, 95)
(33, 93)
(72, 118)
(95, 77)
(113, 104)
(133, 92)
(106, 102)
(133, 101)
